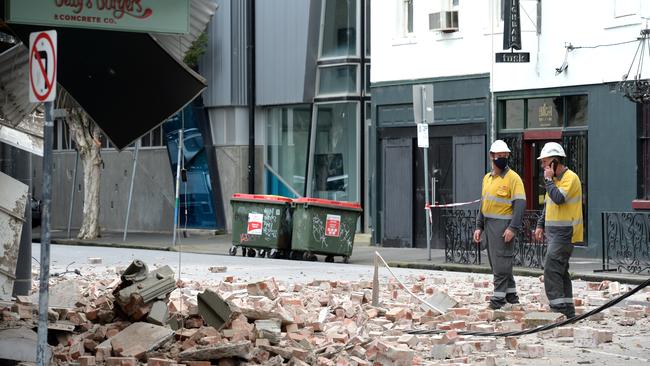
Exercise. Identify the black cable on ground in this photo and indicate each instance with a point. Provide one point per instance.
(542, 327)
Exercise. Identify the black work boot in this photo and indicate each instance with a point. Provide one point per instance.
(569, 311)
(512, 298)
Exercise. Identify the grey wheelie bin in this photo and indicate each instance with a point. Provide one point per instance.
(261, 224)
(323, 227)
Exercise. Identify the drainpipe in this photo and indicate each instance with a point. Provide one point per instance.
(250, 60)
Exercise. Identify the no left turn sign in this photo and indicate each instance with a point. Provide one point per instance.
(42, 66)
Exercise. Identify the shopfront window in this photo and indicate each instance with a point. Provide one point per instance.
(335, 172)
(339, 35)
(545, 112)
(514, 114)
(337, 80)
(286, 154)
(576, 110)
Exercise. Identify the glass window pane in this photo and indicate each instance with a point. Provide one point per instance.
(514, 114)
(576, 110)
(409, 16)
(335, 173)
(367, 86)
(339, 36)
(367, 29)
(337, 80)
(545, 112)
(287, 141)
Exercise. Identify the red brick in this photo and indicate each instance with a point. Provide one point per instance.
(121, 361)
(160, 362)
(86, 361)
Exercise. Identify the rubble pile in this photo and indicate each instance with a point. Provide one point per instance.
(148, 317)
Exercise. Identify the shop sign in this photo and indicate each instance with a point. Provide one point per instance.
(162, 16)
(511, 25)
(512, 57)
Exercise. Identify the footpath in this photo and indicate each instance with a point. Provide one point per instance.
(203, 242)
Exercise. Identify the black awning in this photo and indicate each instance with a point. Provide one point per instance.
(125, 81)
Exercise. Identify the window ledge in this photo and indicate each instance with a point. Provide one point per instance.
(401, 41)
(639, 204)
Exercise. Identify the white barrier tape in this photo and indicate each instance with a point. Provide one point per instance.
(423, 301)
(428, 206)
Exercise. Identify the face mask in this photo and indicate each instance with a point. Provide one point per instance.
(501, 163)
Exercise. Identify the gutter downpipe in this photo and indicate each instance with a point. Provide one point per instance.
(250, 61)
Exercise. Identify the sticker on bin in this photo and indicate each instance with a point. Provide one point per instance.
(333, 225)
(255, 223)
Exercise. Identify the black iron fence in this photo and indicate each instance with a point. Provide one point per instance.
(458, 228)
(626, 241)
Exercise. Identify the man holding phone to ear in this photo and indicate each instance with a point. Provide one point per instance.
(503, 202)
(562, 221)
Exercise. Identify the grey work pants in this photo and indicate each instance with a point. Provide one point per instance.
(557, 281)
(500, 255)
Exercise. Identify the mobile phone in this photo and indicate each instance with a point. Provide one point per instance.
(554, 165)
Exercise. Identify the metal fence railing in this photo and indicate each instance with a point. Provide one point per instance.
(458, 228)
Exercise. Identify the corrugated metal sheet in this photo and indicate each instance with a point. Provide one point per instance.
(14, 99)
(13, 200)
(201, 11)
(224, 62)
(282, 49)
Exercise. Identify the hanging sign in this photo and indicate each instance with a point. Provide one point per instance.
(511, 25)
(512, 57)
(42, 66)
(163, 16)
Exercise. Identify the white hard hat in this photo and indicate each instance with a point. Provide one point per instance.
(551, 149)
(499, 146)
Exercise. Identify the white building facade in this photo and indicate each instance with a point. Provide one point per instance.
(578, 51)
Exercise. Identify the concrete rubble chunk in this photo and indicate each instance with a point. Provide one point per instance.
(535, 319)
(139, 338)
(269, 329)
(139, 288)
(159, 313)
(441, 301)
(216, 351)
(19, 344)
(214, 310)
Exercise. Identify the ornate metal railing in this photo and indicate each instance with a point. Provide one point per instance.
(626, 241)
(458, 227)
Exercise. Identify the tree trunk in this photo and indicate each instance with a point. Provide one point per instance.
(86, 136)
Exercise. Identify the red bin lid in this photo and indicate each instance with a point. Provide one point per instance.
(318, 201)
(261, 197)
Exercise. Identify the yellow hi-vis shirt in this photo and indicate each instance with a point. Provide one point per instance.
(568, 213)
(498, 192)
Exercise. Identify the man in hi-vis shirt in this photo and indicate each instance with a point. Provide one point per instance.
(562, 222)
(503, 202)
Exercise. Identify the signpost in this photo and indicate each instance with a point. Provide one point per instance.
(161, 16)
(423, 113)
(512, 57)
(42, 88)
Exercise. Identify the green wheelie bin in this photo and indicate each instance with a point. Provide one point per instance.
(261, 224)
(323, 227)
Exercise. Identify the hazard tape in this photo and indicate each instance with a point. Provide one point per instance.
(429, 206)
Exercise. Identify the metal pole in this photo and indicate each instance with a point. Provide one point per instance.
(178, 182)
(74, 184)
(43, 287)
(128, 205)
(426, 174)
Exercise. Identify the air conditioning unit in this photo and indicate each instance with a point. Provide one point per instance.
(444, 21)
